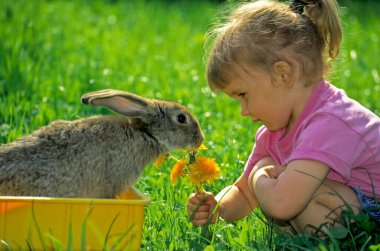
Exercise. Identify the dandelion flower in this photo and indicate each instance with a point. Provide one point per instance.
(158, 162)
(204, 170)
(200, 148)
(178, 170)
(199, 170)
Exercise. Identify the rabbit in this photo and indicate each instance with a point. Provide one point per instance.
(98, 156)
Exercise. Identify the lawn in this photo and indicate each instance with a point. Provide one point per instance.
(51, 52)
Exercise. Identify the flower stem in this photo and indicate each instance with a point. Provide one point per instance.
(192, 158)
(173, 158)
(199, 188)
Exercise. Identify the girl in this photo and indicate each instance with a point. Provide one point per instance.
(318, 150)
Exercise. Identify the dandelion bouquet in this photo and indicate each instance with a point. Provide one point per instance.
(198, 169)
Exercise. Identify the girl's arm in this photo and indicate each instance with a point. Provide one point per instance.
(238, 200)
(287, 195)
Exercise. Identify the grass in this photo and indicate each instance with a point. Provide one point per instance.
(51, 52)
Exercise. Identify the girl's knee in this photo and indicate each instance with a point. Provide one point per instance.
(326, 206)
(337, 196)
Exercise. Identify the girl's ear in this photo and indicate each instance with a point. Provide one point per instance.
(283, 74)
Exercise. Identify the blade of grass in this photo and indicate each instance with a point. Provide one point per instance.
(70, 242)
(122, 236)
(6, 244)
(109, 231)
(56, 244)
(84, 225)
(39, 231)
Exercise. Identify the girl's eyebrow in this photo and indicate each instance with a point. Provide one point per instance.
(235, 93)
(230, 93)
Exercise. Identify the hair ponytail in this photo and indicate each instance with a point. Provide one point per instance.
(325, 15)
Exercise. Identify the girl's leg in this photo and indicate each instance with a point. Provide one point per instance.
(326, 206)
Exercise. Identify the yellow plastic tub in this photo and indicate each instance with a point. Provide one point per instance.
(92, 224)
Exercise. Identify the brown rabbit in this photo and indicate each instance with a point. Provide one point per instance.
(99, 156)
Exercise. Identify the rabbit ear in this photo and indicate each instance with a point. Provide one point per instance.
(121, 102)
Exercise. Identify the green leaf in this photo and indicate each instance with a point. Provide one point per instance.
(209, 248)
(374, 247)
(339, 232)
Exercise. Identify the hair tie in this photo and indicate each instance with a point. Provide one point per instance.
(297, 6)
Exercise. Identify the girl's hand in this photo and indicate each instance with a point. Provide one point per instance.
(200, 208)
(274, 171)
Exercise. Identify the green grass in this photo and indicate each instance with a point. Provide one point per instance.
(51, 52)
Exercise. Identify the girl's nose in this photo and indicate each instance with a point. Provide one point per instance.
(243, 110)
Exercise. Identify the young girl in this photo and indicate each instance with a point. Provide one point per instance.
(317, 150)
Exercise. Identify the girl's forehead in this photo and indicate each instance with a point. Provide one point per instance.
(243, 71)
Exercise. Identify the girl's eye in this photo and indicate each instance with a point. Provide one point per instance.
(241, 95)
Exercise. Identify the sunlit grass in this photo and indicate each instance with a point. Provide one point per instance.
(51, 52)
(358, 68)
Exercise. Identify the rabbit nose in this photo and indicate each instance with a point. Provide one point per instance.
(198, 138)
(202, 137)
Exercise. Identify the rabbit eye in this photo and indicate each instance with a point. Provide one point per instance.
(181, 118)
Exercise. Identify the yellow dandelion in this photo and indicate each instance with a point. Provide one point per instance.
(204, 170)
(178, 170)
(200, 148)
(158, 162)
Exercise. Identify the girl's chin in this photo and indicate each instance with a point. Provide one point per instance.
(274, 128)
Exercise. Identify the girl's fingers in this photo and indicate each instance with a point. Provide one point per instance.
(198, 208)
(200, 216)
(195, 200)
(200, 222)
(202, 219)
(200, 202)
(199, 198)
(198, 212)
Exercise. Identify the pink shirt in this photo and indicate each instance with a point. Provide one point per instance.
(332, 129)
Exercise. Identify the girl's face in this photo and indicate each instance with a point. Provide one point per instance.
(261, 97)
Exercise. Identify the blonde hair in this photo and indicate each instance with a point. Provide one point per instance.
(263, 32)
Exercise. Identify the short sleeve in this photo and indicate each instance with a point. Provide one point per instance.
(330, 140)
(259, 151)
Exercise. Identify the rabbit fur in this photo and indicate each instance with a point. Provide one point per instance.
(98, 156)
